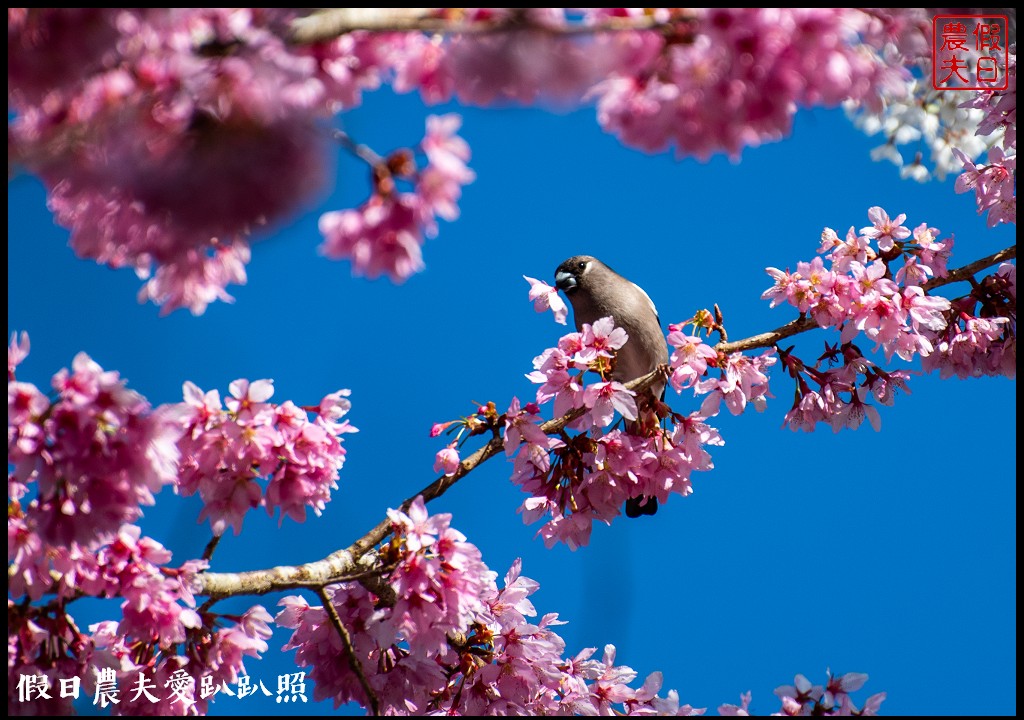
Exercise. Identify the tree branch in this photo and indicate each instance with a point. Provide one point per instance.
(330, 23)
(336, 567)
(967, 271)
(357, 558)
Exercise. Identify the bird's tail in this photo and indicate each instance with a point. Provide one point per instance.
(635, 507)
(644, 505)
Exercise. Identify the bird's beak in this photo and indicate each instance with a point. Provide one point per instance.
(565, 281)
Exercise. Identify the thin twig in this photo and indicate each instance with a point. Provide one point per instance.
(363, 152)
(493, 446)
(205, 607)
(350, 651)
(210, 547)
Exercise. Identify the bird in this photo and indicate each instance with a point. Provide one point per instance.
(595, 291)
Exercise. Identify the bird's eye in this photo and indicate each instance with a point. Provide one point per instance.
(581, 265)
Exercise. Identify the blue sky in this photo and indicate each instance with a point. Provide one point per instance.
(890, 553)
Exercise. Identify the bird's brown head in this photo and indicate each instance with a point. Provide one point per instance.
(574, 273)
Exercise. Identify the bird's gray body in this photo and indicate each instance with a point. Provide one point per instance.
(597, 291)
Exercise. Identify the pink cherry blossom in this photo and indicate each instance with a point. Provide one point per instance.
(545, 297)
(855, 248)
(384, 235)
(852, 413)
(381, 237)
(602, 338)
(743, 380)
(972, 347)
(333, 407)
(17, 351)
(579, 479)
(994, 181)
(925, 311)
(554, 375)
(803, 698)
(440, 183)
(604, 400)
(158, 617)
(447, 460)
(784, 288)
(865, 299)
(521, 425)
(884, 231)
(741, 710)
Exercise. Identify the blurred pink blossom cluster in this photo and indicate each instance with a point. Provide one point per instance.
(225, 451)
(721, 79)
(81, 465)
(802, 698)
(520, 55)
(450, 642)
(876, 287)
(995, 182)
(701, 80)
(165, 137)
(384, 236)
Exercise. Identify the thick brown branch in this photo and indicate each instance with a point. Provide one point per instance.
(335, 567)
(768, 339)
(330, 23)
(803, 324)
(357, 558)
(967, 271)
